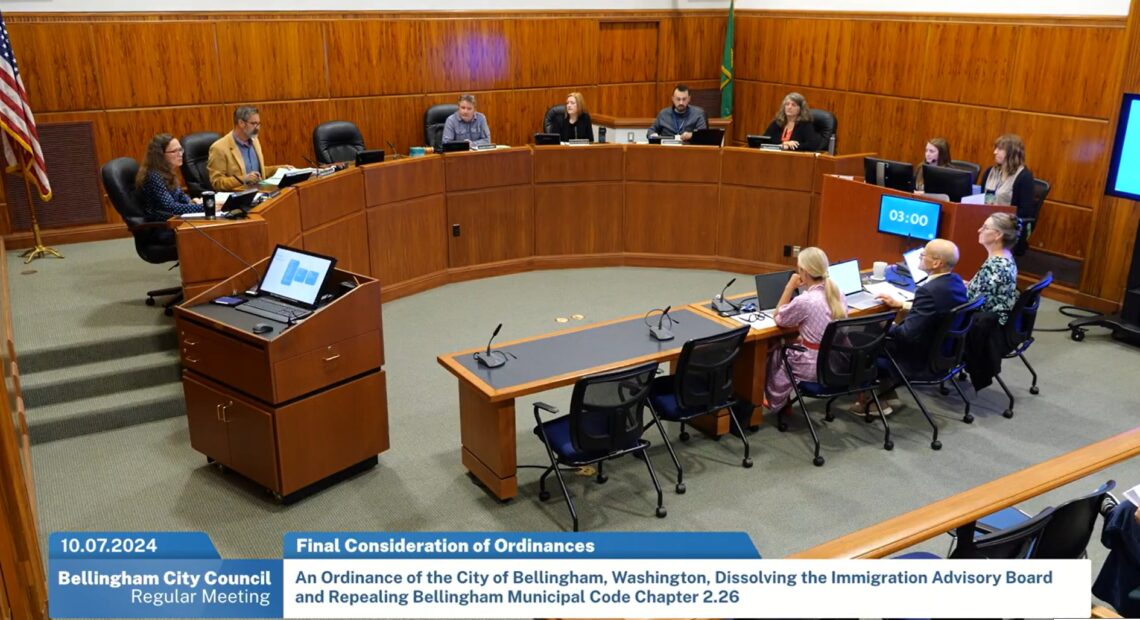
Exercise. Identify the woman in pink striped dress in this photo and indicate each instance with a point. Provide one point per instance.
(817, 305)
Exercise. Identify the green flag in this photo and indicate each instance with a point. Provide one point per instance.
(726, 66)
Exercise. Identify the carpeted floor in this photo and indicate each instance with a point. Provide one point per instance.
(147, 477)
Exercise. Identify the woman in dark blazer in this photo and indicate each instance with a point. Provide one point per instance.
(1008, 181)
(792, 126)
(575, 125)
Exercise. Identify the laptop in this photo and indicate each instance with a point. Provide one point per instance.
(914, 265)
(457, 146)
(240, 201)
(755, 141)
(769, 288)
(371, 156)
(293, 178)
(291, 285)
(547, 139)
(846, 277)
(707, 137)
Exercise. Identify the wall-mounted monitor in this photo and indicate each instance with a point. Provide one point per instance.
(907, 217)
(1124, 168)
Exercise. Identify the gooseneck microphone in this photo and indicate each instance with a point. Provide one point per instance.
(248, 267)
(309, 161)
(661, 331)
(489, 358)
(395, 154)
(722, 305)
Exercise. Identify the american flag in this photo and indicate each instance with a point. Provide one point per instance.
(21, 142)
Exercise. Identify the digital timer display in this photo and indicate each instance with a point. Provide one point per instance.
(907, 217)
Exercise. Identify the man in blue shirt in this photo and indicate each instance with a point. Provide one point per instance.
(680, 120)
(467, 125)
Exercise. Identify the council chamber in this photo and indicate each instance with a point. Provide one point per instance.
(399, 239)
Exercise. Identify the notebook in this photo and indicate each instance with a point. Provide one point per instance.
(846, 277)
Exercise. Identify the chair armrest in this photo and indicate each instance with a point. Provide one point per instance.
(545, 407)
(795, 347)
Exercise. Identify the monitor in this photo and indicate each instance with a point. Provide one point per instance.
(913, 260)
(1124, 167)
(846, 276)
(457, 146)
(955, 183)
(770, 287)
(755, 141)
(296, 276)
(908, 217)
(295, 177)
(240, 201)
(373, 156)
(708, 137)
(547, 138)
(886, 173)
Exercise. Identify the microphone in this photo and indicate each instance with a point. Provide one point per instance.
(395, 154)
(489, 358)
(248, 267)
(722, 305)
(309, 161)
(661, 332)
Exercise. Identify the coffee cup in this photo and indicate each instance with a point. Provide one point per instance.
(879, 270)
(209, 206)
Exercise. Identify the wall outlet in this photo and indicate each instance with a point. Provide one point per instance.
(787, 250)
(455, 230)
(795, 251)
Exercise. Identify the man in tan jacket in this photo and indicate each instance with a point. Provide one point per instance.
(236, 159)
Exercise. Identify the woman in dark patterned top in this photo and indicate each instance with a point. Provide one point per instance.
(997, 277)
(157, 187)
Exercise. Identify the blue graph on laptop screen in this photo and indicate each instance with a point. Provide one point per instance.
(295, 276)
(906, 217)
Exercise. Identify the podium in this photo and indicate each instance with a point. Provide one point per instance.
(295, 409)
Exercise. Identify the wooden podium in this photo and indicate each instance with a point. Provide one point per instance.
(295, 409)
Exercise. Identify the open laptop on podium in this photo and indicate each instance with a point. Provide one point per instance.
(291, 286)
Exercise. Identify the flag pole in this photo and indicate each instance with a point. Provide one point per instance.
(39, 250)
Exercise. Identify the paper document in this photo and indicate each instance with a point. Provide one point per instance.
(976, 199)
(193, 216)
(1133, 495)
(281, 172)
(886, 288)
(220, 198)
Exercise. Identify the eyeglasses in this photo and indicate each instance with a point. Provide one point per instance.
(177, 150)
(255, 124)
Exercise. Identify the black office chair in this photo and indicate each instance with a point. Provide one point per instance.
(700, 385)
(973, 168)
(151, 243)
(195, 156)
(1066, 536)
(825, 125)
(549, 122)
(848, 358)
(1017, 542)
(434, 118)
(605, 422)
(1019, 333)
(1041, 189)
(945, 361)
(337, 141)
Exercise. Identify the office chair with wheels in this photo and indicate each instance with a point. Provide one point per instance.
(825, 125)
(1066, 536)
(606, 421)
(552, 115)
(945, 361)
(961, 164)
(1041, 189)
(195, 156)
(434, 118)
(1019, 333)
(150, 243)
(847, 364)
(337, 141)
(701, 385)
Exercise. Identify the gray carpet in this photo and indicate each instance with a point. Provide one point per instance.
(146, 476)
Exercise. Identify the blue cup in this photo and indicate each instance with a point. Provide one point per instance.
(416, 151)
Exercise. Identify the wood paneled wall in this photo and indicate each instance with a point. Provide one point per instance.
(892, 82)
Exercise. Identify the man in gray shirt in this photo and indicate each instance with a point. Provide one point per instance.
(680, 120)
(467, 125)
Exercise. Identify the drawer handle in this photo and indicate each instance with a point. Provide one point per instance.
(225, 418)
(218, 411)
(335, 357)
(192, 360)
(190, 342)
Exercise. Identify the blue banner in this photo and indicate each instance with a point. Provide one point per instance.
(523, 545)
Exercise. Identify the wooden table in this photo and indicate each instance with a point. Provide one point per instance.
(487, 396)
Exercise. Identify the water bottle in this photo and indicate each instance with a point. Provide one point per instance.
(601, 135)
(831, 145)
